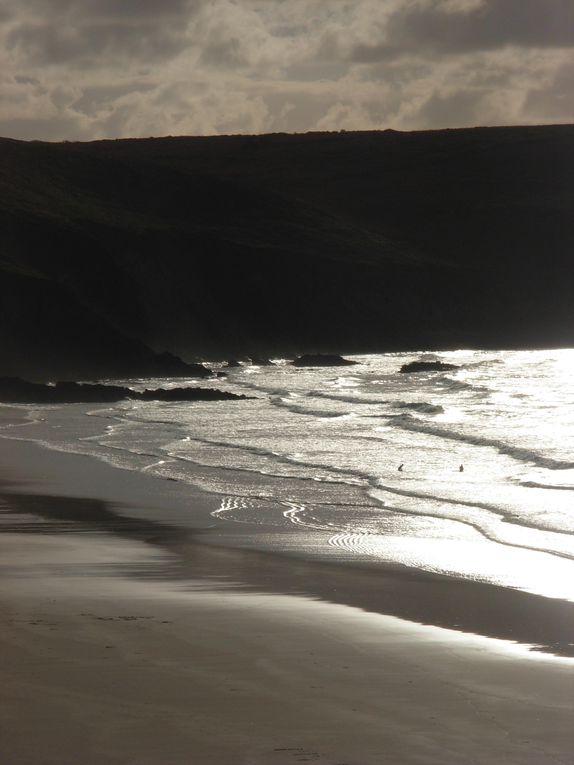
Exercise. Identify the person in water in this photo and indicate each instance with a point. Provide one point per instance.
(461, 469)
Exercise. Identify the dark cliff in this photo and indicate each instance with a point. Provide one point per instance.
(283, 244)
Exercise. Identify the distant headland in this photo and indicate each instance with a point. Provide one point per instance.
(114, 252)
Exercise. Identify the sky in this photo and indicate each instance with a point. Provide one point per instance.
(87, 69)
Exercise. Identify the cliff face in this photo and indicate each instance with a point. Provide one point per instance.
(237, 245)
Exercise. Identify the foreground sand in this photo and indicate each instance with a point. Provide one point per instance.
(99, 672)
(112, 652)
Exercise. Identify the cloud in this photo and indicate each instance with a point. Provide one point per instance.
(76, 69)
(439, 27)
(553, 99)
(85, 33)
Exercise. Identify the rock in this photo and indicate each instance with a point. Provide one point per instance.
(15, 390)
(427, 366)
(189, 394)
(322, 360)
(233, 364)
(259, 362)
(169, 365)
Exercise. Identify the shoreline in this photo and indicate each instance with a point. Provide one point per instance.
(123, 642)
(45, 482)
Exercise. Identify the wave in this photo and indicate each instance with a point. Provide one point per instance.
(333, 474)
(420, 406)
(300, 514)
(552, 487)
(459, 385)
(349, 476)
(296, 514)
(348, 399)
(369, 480)
(283, 393)
(286, 459)
(296, 409)
(495, 510)
(297, 511)
(271, 391)
(407, 422)
(496, 516)
(483, 363)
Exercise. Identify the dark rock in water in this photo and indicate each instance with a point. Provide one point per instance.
(233, 364)
(258, 362)
(221, 374)
(322, 360)
(14, 390)
(427, 366)
(169, 365)
(189, 394)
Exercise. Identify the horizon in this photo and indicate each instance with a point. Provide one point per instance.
(293, 134)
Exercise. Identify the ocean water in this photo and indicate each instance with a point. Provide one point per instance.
(313, 458)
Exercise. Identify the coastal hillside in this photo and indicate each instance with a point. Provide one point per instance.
(283, 244)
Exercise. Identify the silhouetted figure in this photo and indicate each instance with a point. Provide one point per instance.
(401, 467)
(461, 469)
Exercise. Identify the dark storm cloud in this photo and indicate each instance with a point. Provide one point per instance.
(439, 27)
(46, 44)
(104, 8)
(61, 31)
(134, 8)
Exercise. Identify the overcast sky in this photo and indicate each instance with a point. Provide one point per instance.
(82, 69)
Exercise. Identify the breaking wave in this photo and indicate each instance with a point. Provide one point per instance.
(287, 403)
(422, 406)
(407, 422)
(460, 385)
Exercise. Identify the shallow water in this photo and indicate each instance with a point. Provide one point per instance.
(319, 450)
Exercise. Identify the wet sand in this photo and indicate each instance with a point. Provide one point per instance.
(124, 640)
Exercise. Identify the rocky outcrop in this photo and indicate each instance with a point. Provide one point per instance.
(322, 360)
(14, 390)
(427, 366)
(169, 365)
(189, 394)
(259, 362)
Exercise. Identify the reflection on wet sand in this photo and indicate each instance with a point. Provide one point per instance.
(182, 555)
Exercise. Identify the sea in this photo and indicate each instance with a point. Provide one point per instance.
(310, 461)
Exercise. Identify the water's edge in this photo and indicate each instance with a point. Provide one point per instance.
(42, 475)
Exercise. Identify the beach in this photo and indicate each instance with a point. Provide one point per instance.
(126, 640)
